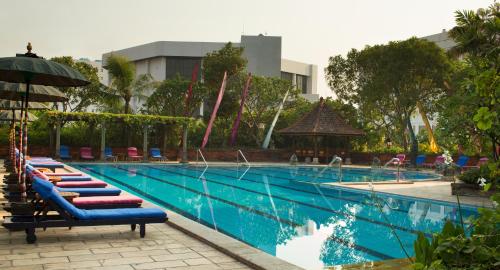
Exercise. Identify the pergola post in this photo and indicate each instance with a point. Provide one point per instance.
(145, 143)
(103, 141)
(58, 140)
(184, 157)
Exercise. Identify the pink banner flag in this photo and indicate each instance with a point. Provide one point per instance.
(214, 112)
(236, 124)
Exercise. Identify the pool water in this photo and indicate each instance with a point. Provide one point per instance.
(272, 209)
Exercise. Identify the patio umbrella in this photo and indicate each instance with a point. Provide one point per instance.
(30, 69)
(40, 93)
(11, 115)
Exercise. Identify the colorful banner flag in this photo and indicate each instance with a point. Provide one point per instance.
(265, 144)
(214, 112)
(236, 124)
(189, 94)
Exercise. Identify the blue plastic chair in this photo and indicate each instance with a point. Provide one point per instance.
(64, 152)
(108, 154)
(419, 161)
(155, 153)
(462, 161)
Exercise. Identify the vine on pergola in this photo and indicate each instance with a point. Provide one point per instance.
(54, 117)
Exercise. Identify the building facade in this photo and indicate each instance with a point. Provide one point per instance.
(164, 59)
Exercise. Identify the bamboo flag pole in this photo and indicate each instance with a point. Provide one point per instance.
(236, 124)
(265, 144)
(214, 112)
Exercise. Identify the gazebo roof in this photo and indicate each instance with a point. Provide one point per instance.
(322, 121)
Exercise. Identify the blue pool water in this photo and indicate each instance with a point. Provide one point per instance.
(272, 209)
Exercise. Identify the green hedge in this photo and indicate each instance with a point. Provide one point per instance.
(130, 119)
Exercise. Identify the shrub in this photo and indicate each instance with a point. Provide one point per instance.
(489, 171)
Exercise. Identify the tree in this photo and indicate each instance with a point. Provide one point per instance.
(386, 81)
(477, 38)
(169, 96)
(124, 81)
(228, 59)
(265, 95)
(80, 98)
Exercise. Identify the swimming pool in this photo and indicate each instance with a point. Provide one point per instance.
(307, 225)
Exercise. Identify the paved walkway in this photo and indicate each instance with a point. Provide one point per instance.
(109, 247)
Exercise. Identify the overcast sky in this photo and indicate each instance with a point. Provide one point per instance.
(312, 30)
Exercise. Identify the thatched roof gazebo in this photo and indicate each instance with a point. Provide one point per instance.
(322, 121)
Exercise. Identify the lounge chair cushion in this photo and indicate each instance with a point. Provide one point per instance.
(74, 178)
(46, 164)
(100, 200)
(64, 174)
(48, 192)
(82, 184)
(85, 192)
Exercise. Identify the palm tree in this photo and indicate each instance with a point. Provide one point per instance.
(124, 81)
(477, 33)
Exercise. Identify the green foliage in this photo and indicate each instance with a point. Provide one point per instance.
(124, 82)
(476, 35)
(386, 81)
(169, 96)
(130, 119)
(228, 59)
(265, 95)
(489, 171)
(80, 98)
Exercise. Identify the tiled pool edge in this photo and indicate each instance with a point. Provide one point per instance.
(236, 249)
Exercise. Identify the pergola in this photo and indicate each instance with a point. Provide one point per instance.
(56, 118)
(322, 121)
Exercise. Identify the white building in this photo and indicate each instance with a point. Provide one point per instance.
(101, 72)
(164, 59)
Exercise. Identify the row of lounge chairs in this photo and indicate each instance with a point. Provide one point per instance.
(461, 162)
(132, 154)
(71, 199)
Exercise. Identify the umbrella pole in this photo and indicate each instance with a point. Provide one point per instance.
(13, 139)
(25, 141)
(19, 162)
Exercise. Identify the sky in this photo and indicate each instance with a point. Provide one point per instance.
(311, 30)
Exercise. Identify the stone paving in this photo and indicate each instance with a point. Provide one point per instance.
(109, 247)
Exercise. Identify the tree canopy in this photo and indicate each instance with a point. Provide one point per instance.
(386, 81)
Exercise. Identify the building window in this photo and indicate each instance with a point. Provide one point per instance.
(183, 66)
(302, 83)
(287, 76)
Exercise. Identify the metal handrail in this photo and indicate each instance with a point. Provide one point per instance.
(238, 153)
(395, 161)
(199, 153)
(335, 159)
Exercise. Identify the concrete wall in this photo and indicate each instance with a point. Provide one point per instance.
(263, 54)
(311, 71)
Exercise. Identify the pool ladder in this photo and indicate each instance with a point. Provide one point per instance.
(198, 155)
(336, 159)
(397, 162)
(238, 154)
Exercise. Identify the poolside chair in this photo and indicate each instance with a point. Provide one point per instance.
(437, 162)
(132, 154)
(61, 176)
(402, 159)
(419, 161)
(64, 152)
(86, 153)
(155, 154)
(108, 154)
(461, 162)
(71, 216)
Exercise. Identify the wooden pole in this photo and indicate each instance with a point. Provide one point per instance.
(58, 140)
(184, 158)
(103, 141)
(145, 143)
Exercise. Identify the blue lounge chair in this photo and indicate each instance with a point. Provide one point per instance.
(31, 169)
(419, 161)
(462, 161)
(85, 192)
(154, 153)
(71, 216)
(108, 154)
(64, 152)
